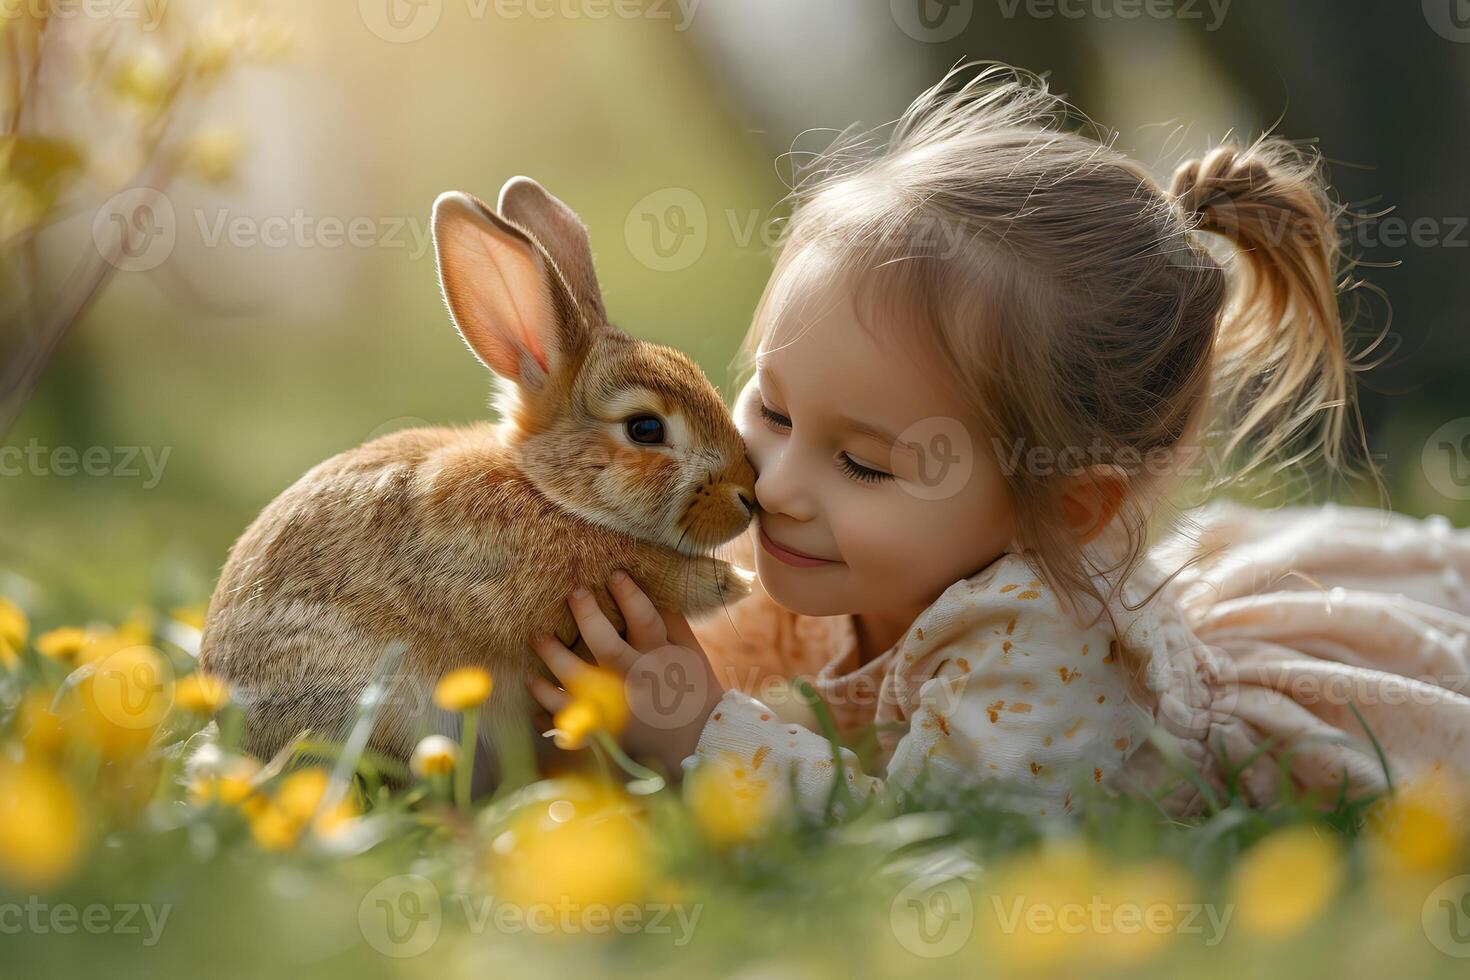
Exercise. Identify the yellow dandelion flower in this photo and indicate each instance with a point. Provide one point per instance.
(1141, 908)
(301, 792)
(41, 827)
(280, 821)
(103, 643)
(728, 801)
(231, 784)
(1286, 881)
(65, 644)
(14, 628)
(274, 829)
(1036, 898)
(1421, 827)
(201, 694)
(41, 731)
(463, 689)
(586, 850)
(598, 704)
(125, 698)
(337, 819)
(435, 755)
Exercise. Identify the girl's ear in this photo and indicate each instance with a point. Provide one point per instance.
(503, 292)
(1092, 499)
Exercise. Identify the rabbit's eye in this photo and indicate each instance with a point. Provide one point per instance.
(646, 429)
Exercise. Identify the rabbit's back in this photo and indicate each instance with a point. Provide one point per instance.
(410, 537)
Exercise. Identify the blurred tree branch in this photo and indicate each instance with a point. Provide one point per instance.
(93, 106)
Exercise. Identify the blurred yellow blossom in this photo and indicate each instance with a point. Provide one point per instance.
(1142, 907)
(280, 822)
(14, 628)
(146, 79)
(121, 703)
(463, 689)
(231, 783)
(64, 644)
(1422, 826)
(213, 152)
(587, 847)
(435, 755)
(598, 704)
(201, 694)
(728, 800)
(41, 830)
(1286, 881)
(1035, 896)
(41, 731)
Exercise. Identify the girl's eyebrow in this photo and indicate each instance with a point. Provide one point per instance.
(847, 422)
(852, 425)
(864, 429)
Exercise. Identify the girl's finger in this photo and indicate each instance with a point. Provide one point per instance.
(646, 630)
(679, 631)
(610, 649)
(563, 663)
(548, 695)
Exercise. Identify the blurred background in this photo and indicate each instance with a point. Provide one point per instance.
(214, 216)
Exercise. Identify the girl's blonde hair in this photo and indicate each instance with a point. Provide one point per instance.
(1074, 306)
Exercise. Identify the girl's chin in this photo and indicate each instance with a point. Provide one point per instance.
(804, 591)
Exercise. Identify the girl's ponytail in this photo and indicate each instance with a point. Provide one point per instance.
(1282, 373)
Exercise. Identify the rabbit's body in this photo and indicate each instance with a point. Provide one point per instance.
(463, 542)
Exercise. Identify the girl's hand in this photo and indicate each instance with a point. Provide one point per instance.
(670, 686)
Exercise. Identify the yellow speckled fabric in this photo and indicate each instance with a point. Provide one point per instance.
(1282, 630)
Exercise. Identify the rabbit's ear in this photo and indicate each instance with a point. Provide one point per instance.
(560, 232)
(502, 291)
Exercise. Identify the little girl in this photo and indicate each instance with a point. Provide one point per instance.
(981, 361)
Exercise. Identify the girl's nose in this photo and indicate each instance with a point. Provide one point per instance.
(779, 487)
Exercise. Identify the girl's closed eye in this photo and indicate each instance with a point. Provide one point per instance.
(855, 470)
(775, 419)
(858, 471)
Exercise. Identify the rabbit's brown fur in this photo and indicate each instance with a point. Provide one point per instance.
(462, 542)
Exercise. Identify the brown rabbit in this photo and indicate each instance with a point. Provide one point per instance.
(460, 542)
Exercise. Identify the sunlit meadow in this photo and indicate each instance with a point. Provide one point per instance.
(136, 839)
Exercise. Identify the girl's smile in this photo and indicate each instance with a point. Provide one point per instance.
(790, 555)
